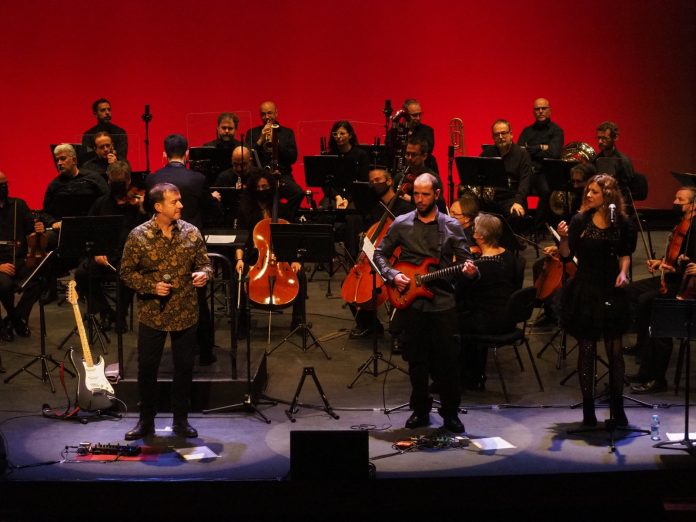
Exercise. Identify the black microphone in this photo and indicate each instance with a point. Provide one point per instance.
(612, 213)
(147, 117)
(163, 300)
(387, 108)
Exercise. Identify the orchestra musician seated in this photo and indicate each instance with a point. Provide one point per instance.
(465, 210)
(481, 302)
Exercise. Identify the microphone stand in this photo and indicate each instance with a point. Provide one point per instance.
(147, 118)
(450, 179)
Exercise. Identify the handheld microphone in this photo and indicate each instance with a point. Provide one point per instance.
(612, 213)
(163, 300)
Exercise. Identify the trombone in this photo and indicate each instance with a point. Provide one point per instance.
(456, 147)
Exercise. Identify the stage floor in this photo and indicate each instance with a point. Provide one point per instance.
(246, 449)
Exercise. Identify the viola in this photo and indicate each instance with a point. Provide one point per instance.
(37, 245)
(134, 196)
(674, 247)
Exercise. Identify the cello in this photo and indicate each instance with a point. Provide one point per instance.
(272, 284)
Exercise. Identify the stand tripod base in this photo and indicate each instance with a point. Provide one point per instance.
(688, 444)
(610, 428)
(294, 405)
(248, 406)
(387, 411)
(45, 370)
(305, 330)
(373, 361)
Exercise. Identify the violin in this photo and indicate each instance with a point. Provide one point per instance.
(674, 247)
(134, 196)
(550, 279)
(37, 246)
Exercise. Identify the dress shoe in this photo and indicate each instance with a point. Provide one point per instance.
(141, 430)
(636, 378)
(20, 327)
(6, 332)
(207, 360)
(418, 421)
(453, 424)
(649, 387)
(182, 428)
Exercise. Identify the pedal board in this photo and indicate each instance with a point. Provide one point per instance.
(125, 450)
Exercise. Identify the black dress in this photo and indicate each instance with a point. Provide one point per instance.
(592, 307)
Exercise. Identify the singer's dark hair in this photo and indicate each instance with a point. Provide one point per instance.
(156, 194)
(175, 145)
(611, 192)
(95, 105)
(333, 148)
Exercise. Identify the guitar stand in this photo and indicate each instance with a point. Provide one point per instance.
(74, 415)
(42, 357)
(294, 405)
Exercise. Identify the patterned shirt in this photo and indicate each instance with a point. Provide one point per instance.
(148, 255)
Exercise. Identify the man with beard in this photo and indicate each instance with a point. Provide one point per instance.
(543, 139)
(387, 201)
(259, 138)
(102, 111)
(607, 136)
(418, 131)
(16, 223)
(106, 155)
(104, 267)
(511, 202)
(225, 142)
(656, 352)
(432, 335)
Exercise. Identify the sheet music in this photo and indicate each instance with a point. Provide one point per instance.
(368, 248)
(220, 239)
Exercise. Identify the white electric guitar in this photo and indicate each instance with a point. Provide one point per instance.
(94, 391)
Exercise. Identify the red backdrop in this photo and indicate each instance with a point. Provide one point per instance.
(631, 61)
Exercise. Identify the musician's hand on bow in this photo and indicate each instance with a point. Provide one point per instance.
(550, 250)
(239, 267)
(295, 266)
(341, 203)
(517, 209)
(101, 260)
(690, 269)
(562, 229)
(7, 268)
(654, 264)
(469, 269)
(216, 195)
(401, 281)
(622, 280)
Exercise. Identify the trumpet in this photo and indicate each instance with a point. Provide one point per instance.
(271, 138)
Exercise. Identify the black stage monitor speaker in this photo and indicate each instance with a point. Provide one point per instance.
(329, 455)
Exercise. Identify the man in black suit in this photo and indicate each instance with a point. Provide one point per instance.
(259, 138)
(198, 206)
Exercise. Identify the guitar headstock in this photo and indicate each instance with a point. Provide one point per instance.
(72, 296)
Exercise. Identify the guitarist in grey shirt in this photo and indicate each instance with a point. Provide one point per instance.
(432, 335)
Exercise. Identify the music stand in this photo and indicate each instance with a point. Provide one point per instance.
(210, 161)
(331, 172)
(376, 153)
(675, 318)
(479, 172)
(89, 236)
(302, 243)
(41, 357)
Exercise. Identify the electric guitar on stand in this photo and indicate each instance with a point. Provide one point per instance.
(94, 391)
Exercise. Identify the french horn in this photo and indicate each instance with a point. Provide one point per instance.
(578, 151)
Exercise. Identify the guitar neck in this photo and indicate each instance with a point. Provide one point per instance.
(86, 352)
(443, 272)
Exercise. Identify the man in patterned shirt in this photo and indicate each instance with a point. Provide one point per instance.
(164, 261)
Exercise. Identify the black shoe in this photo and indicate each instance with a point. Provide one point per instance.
(636, 378)
(207, 360)
(184, 429)
(631, 350)
(418, 421)
(20, 327)
(6, 332)
(453, 424)
(649, 387)
(106, 319)
(396, 346)
(143, 429)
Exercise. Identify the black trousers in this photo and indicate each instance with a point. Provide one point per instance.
(29, 296)
(150, 348)
(432, 350)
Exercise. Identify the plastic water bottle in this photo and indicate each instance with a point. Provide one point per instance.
(655, 427)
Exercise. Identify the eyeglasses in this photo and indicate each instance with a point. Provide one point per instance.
(603, 138)
(500, 134)
(541, 109)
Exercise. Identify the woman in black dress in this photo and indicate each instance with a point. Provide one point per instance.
(594, 305)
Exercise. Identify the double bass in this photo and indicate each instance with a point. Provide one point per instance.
(272, 284)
